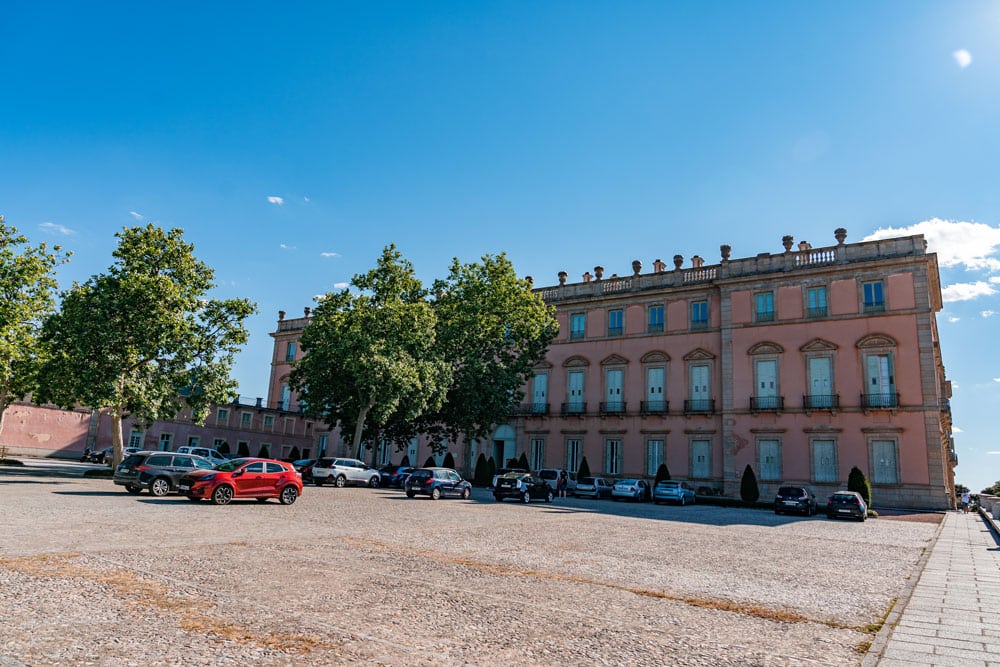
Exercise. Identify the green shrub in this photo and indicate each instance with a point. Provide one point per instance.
(493, 467)
(262, 453)
(244, 449)
(482, 475)
(523, 462)
(749, 491)
(857, 481)
(224, 448)
(662, 474)
(405, 461)
(429, 463)
(294, 454)
(449, 461)
(584, 470)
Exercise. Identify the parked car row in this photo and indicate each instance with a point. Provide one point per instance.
(840, 505)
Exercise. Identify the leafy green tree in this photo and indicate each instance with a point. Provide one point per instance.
(143, 339)
(749, 491)
(960, 489)
(856, 481)
(493, 330)
(584, 470)
(370, 356)
(27, 297)
(992, 490)
(662, 474)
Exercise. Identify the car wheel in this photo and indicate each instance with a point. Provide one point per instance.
(466, 493)
(410, 494)
(373, 482)
(526, 498)
(222, 495)
(159, 487)
(549, 497)
(289, 495)
(436, 493)
(341, 481)
(133, 489)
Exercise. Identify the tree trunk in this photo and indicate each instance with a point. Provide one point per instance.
(116, 436)
(360, 427)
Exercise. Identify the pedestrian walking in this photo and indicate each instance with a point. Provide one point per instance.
(965, 502)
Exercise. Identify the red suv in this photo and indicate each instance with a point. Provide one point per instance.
(243, 478)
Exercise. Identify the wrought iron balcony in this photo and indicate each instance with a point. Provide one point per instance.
(654, 407)
(821, 401)
(529, 410)
(699, 325)
(875, 307)
(574, 409)
(882, 400)
(699, 405)
(576, 335)
(764, 316)
(655, 328)
(767, 403)
(616, 331)
(819, 311)
(613, 408)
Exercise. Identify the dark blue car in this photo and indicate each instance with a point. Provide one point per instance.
(437, 483)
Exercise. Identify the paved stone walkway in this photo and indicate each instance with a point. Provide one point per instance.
(952, 618)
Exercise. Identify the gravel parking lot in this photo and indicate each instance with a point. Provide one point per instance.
(92, 575)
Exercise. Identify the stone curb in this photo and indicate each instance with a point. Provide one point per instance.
(881, 640)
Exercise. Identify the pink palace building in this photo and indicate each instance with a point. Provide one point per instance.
(801, 364)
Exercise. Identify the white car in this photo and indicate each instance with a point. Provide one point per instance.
(206, 452)
(631, 489)
(342, 472)
(551, 476)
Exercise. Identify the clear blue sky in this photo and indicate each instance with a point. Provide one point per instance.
(292, 141)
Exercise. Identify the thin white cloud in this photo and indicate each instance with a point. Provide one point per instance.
(329, 254)
(955, 429)
(285, 246)
(276, 200)
(994, 453)
(53, 228)
(342, 285)
(306, 199)
(996, 379)
(966, 291)
(962, 57)
(138, 216)
(970, 245)
(953, 319)
(319, 297)
(987, 313)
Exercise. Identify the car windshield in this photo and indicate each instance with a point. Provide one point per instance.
(627, 482)
(230, 466)
(844, 499)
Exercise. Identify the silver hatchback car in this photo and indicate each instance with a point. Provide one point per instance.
(670, 491)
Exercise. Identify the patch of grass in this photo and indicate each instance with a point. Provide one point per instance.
(863, 648)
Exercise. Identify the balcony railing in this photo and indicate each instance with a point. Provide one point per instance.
(767, 403)
(819, 311)
(699, 405)
(574, 409)
(616, 331)
(654, 407)
(882, 400)
(655, 328)
(529, 410)
(821, 401)
(765, 316)
(874, 307)
(613, 408)
(699, 325)
(576, 335)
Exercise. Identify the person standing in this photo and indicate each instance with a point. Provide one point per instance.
(562, 484)
(965, 502)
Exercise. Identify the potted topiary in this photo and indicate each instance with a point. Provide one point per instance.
(749, 491)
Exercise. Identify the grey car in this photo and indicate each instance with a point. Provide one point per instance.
(157, 471)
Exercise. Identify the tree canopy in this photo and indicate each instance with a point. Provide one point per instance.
(405, 361)
(27, 296)
(143, 339)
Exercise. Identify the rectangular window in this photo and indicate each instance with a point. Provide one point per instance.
(654, 457)
(540, 394)
(577, 326)
(246, 419)
(616, 322)
(700, 391)
(764, 311)
(265, 450)
(268, 421)
(537, 456)
(770, 460)
(165, 440)
(135, 438)
(881, 391)
(290, 352)
(824, 461)
(873, 298)
(816, 301)
(766, 393)
(699, 314)
(411, 452)
(656, 402)
(612, 457)
(219, 444)
(222, 416)
(701, 463)
(885, 469)
(321, 444)
(655, 321)
(575, 403)
(243, 448)
(193, 440)
(821, 394)
(384, 453)
(289, 425)
(613, 403)
(574, 448)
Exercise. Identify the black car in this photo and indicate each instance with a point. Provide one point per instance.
(797, 499)
(304, 467)
(846, 504)
(394, 476)
(437, 483)
(523, 486)
(159, 472)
